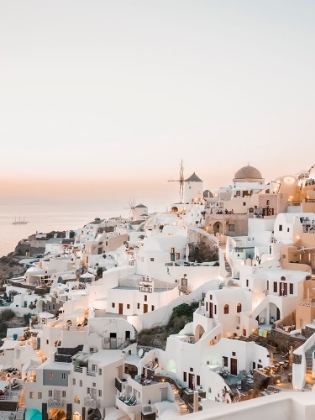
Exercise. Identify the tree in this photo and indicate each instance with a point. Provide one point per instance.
(7, 315)
(99, 271)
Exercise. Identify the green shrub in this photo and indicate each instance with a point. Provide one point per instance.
(7, 315)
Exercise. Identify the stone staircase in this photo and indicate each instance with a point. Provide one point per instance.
(309, 360)
(21, 409)
(40, 355)
(227, 267)
(181, 404)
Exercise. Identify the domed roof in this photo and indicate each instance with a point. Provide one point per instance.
(248, 172)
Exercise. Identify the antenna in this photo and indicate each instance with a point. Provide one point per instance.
(181, 181)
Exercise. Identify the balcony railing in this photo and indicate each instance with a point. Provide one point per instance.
(55, 403)
(91, 373)
(90, 402)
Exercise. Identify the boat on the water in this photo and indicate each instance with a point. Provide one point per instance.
(19, 221)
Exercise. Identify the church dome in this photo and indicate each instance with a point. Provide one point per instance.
(247, 172)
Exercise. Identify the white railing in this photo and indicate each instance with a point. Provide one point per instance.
(55, 403)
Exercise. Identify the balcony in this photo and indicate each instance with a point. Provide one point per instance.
(55, 403)
(91, 402)
(91, 372)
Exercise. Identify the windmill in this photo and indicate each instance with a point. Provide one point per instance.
(181, 181)
(132, 205)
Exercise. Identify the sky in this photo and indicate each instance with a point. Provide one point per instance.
(101, 100)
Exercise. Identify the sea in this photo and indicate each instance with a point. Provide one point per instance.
(46, 218)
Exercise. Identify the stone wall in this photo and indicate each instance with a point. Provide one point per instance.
(8, 406)
(309, 331)
(283, 341)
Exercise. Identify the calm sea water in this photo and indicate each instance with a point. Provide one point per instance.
(44, 218)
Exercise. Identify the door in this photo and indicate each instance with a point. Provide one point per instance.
(211, 310)
(244, 332)
(191, 378)
(121, 308)
(278, 314)
(233, 366)
(127, 335)
(164, 394)
(57, 395)
(113, 340)
(145, 308)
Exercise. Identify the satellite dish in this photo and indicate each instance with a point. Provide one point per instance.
(140, 353)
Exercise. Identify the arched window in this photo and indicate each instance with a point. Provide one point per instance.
(268, 202)
(283, 278)
(239, 307)
(226, 308)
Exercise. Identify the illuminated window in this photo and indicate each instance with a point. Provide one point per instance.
(226, 308)
(239, 307)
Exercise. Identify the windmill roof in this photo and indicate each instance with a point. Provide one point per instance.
(193, 178)
(140, 205)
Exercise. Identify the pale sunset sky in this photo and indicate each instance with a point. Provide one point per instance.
(102, 99)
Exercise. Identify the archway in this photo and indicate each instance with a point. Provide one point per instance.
(274, 313)
(94, 414)
(218, 227)
(199, 332)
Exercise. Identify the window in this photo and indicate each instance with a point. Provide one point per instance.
(288, 229)
(275, 287)
(267, 284)
(99, 392)
(100, 371)
(239, 307)
(291, 288)
(233, 353)
(215, 309)
(138, 305)
(64, 394)
(47, 341)
(77, 399)
(226, 309)
(53, 306)
(81, 383)
(184, 376)
(113, 304)
(88, 390)
(128, 306)
(145, 298)
(151, 259)
(198, 380)
(40, 395)
(225, 361)
(93, 368)
(63, 376)
(210, 297)
(231, 227)
(152, 307)
(74, 381)
(31, 395)
(177, 255)
(191, 369)
(207, 306)
(51, 375)
(280, 228)
(247, 282)
(49, 393)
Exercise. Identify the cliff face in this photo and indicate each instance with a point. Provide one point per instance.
(31, 246)
(10, 267)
